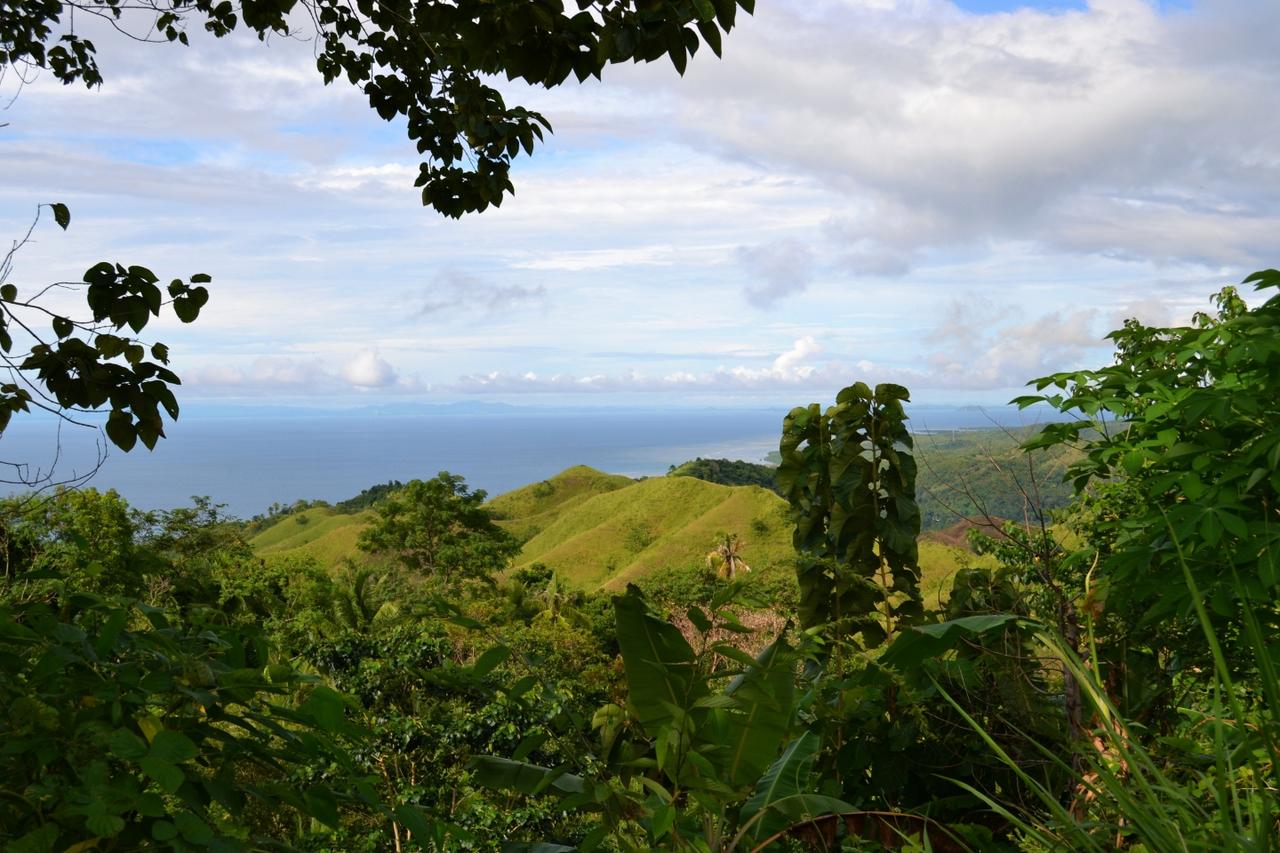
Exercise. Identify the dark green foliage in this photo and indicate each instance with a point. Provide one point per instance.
(728, 472)
(94, 362)
(697, 757)
(368, 497)
(123, 721)
(850, 478)
(1189, 418)
(438, 528)
(1108, 684)
(85, 537)
(428, 63)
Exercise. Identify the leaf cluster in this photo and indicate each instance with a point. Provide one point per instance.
(427, 64)
(96, 361)
(850, 478)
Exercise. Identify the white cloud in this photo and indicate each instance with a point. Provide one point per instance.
(369, 370)
(1121, 128)
(287, 376)
(791, 369)
(965, 200)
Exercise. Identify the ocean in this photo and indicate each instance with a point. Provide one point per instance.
(248, 463)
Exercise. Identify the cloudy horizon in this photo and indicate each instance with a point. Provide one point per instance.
(959, 198)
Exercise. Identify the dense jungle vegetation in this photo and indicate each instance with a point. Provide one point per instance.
(530, 674)
(1106, 679)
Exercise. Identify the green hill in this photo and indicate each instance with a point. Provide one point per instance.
(974, 473)
(728, 472)
(624, 534)
(603, 531)
(527, 510)
(322, 532)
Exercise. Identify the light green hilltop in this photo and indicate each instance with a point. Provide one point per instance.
(526, 511)
(321, 532)
(663, 522)
(602, 531)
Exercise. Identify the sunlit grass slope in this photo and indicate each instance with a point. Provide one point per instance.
(603, 531)
(663, 522)
(526, 511)
(326, 534)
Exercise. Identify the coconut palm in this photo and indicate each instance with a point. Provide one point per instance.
(726, 557)
(559, 604)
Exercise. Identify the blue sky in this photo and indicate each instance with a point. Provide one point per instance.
(959, 198)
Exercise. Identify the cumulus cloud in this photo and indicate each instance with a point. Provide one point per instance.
(266, 374)
(1076, 167)
(456, 290)
(369, 370)
(287, 376)
(977, 346)
(782, 268)
(1120, 128)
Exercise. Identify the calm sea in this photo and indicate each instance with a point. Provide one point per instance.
(248, 463)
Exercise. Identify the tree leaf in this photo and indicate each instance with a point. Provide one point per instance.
(490, 660)
(168, 777)
(658, 663)
(504, 774)
(61, 214)
(765, 696)
(121, 431)
(918, 643)
(173, 747)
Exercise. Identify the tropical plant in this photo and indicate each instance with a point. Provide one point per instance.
(725, 559)
(696, 758)
(850, 479)
(1189, 419)
(439, 529)
(128, 726)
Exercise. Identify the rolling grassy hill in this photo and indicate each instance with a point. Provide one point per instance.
(526, 511)
(602, 531)
(322, 532)
(624, 534)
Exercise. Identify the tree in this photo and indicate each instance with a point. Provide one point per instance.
(850, 478)
(440, 529)
(96, 360)
(429, 63)
(84, 534)
(726, 557)
(1187, 417)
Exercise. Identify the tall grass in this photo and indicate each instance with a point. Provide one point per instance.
(1213, 787)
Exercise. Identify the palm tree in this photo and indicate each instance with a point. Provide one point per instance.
(364, 600)
(726, 557)
(559, 604)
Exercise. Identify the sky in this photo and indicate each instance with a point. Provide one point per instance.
(956, 197)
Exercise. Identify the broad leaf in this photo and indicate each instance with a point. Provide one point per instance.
(787, 776)
(659, 663)
(765, 696)
(506, 775)
(917, 644)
